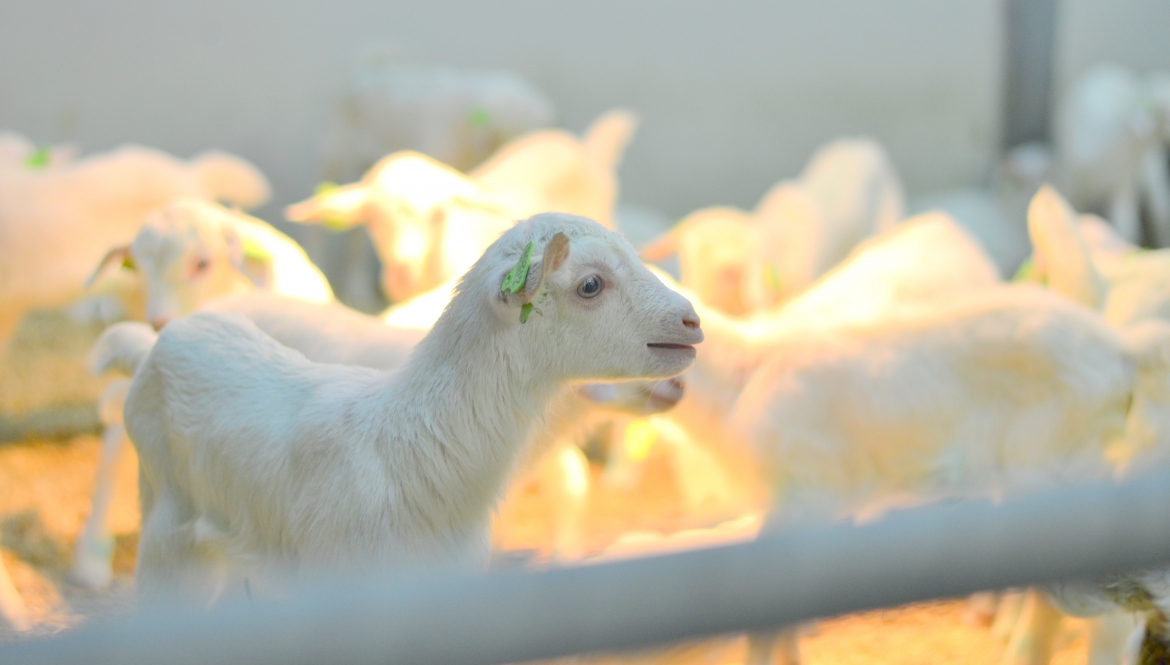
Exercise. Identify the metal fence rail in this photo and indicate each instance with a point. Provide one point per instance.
(933, 552)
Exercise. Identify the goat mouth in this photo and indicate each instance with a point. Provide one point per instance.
(663, 346)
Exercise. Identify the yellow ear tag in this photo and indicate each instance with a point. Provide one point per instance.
(254, 250)
(1027, 271)
(329, 222)
(514, 280)
(128, 264)
(773, 277)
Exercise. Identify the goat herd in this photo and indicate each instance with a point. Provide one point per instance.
(842, 355)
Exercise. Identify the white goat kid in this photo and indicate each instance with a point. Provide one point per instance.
(429, 222)
(414, 461)
(191, 252)
(335, 334)
(55, 223)
(1085, 259)
(554, 171)
(1004, 391)
(742, 263)
(926, 259)
(188, 253)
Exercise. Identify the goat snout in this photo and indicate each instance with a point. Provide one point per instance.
(690, 321)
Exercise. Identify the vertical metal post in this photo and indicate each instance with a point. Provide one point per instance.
(1029, 46)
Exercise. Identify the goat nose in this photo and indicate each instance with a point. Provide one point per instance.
(691, 320)
(158, 322)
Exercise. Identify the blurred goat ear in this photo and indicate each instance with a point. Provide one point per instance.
(523, 282)
(338, 208)
(249, 257)
(661, 248)
(119, 255)
(1060, 256)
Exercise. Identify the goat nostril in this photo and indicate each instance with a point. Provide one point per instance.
(690, 320)
(158, 323)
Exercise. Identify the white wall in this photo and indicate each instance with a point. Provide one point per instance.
(733, 96)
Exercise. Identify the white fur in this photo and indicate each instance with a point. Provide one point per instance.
(429, 222)
(994, 392)
(55, 223)
(335, 334)
(552, 170)
(168, 252)
(742, 263)
(280, 465)
(192, 251)
(1086, 260)
(926, 259)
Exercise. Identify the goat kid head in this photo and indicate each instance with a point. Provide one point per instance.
(406, 201)
(575, 297)
(188, 253)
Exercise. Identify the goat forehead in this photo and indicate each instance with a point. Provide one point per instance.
(593, 251)
(161, 248)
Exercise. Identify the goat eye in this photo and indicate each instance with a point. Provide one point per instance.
(590, 287)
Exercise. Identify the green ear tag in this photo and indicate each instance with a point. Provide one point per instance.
(1027, 271)
(39, 158)
(514, 280)
(479, 117)
(329, 222)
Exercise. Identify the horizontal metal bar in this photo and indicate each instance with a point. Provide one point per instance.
(943, 550)
(62, 421)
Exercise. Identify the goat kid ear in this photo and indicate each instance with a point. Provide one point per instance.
(250, 257)
(338, 208)
(661, 249)
(526, 279)
(119, 255)
(1060, 256)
